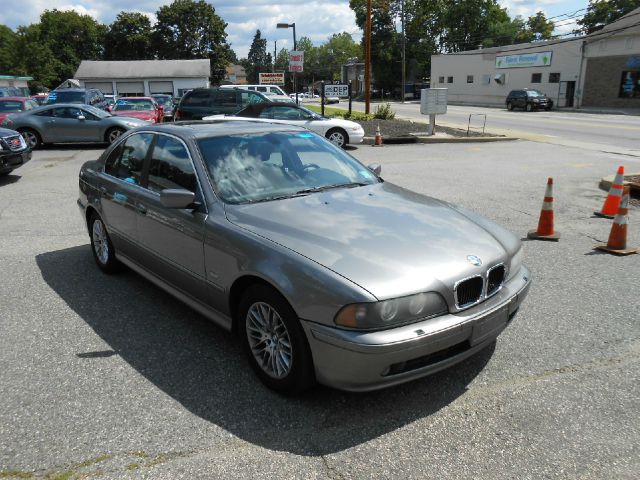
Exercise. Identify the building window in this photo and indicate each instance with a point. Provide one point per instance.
(554, 78)
(486, 79)
(630, 84)
(628, 43)
(469, 78)
(449, 79)
(440, 79)
(536, 78)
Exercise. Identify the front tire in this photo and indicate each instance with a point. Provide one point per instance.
(31, 137)
(274, 341)
(338, 137)
(103, 252)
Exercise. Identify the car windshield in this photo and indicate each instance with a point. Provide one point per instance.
(270, 166)
(11, 106)
(137, 104)
(65, 97)
(534, 93)
(164, 101)
(97, 112)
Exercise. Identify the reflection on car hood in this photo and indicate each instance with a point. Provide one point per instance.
(388, 240)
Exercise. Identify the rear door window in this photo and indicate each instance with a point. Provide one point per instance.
(199, 98)
(128, 165)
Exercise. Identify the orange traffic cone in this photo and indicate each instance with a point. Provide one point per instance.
(378, 136)
(612, 202)
(617, 243)
(545, 229)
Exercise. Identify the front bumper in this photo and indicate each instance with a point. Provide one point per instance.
(356, 136)
(11, 160)
(363, 361)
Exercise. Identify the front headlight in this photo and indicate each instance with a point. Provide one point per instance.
(391, 313)
(515, 264)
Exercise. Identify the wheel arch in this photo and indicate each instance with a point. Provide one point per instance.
(341, 130)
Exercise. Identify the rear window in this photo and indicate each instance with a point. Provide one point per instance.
(10, 106)
(198, 98)
(66, 97)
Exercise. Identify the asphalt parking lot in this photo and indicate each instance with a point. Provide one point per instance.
(108, 377)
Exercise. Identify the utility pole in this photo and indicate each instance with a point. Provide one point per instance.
(367, 61)
(275, 54)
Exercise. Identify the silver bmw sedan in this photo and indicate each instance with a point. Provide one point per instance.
(326, 272)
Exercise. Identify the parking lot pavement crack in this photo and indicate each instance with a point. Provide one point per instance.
(332, 473)
(631, 356)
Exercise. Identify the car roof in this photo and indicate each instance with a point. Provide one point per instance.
(135, 98)
(218, 128)
(72, 90)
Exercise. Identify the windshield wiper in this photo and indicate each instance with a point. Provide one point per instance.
(329, 187)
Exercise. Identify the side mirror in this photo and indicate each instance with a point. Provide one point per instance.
(81, 117)
(375, 168)
(176, 198)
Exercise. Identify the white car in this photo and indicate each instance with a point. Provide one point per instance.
(339, 132)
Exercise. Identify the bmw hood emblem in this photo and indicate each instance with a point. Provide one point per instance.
(474, 260)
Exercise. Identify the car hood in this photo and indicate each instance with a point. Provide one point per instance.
(7, 132)
(388, 240)
(148, 115)
(346, 124)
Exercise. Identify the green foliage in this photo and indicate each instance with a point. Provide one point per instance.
(258, 60)
(129, 38)
(384, 112)
(601, 13)
(188, 29)
(7, 45)
(356, 116)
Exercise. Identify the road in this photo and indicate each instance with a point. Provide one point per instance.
(591, 131)
(107, 377)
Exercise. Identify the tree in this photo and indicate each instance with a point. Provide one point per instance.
(71, 38)
(334, 53)
(601, 13)
(32, 57)
(507, 32)
(7, 46)
(188, 29)
(539, 27)
(129, 38)
(258, 60)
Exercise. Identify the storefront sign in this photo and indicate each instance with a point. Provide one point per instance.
(268, 78)
(296, 60)
(538, 59)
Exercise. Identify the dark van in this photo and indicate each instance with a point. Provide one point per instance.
(528, 99)
(87, 96)
(202, 102)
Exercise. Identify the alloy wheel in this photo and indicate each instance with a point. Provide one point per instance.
(337, 139)
(114, 134)
(269, 340)
(100, 242)
(30, 138)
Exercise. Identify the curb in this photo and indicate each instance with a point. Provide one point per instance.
(426, 139)
(606, 182)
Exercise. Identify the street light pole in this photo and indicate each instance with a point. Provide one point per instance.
(404, 75)
(291, 25)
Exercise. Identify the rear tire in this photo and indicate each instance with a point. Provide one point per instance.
(31, 137)
(113, 134)
(509, 106)
(103, 252)
(274, 340)
(529, 107)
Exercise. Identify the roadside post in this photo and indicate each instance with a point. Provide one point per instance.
(433, 101)
(322, 98)
(350, 99)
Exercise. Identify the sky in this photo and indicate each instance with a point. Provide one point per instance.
(316, 19)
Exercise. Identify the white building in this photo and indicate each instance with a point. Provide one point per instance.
(144, 77)
(21, 83)
(598, 70)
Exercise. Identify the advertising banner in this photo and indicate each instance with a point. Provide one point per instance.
(269, 78)
(296, 61)
(538, 59)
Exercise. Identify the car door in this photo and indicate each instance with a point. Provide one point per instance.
(521, 99)
(120, 189)
(93, 126)
(173, 239)
(70, 125)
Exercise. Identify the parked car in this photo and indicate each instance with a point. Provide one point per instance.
(166, 101)
(14, 105)
(201, 102)
(339, 132)
(143, 108)
(327, 272)
(40, 98)
(329, 99)
(68, 123)
(11, 92)
(528, 99)
(87, 96)
(14, 151)
(111, 101)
